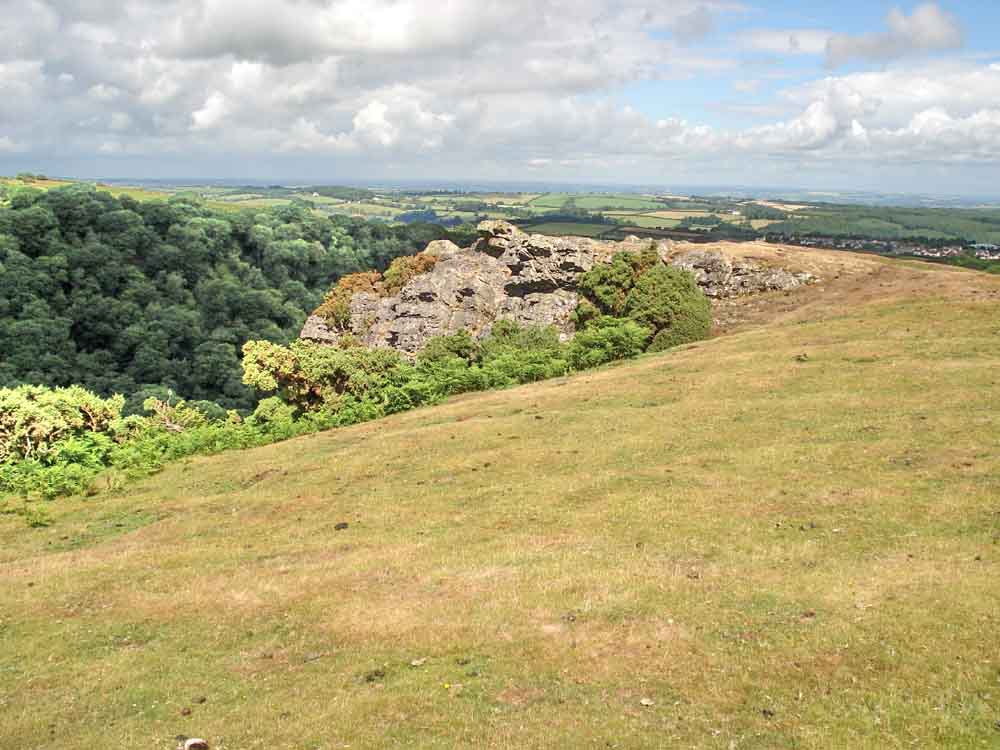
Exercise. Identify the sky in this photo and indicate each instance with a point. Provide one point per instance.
(846, 95)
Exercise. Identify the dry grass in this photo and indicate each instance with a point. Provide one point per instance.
(775, 552)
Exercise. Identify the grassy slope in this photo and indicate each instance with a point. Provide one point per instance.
(776, 553)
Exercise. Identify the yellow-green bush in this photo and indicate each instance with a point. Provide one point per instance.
(33, 419)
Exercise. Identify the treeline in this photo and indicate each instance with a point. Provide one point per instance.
(887, 223)
(138, 298)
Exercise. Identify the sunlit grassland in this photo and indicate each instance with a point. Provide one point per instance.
(785, 537)
(609, 202)
(654, 222)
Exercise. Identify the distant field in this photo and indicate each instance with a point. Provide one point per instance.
(596, 202)
(679, 214)
(641, 220)
(234, 197)
(260, 202)
(782, 206)
(568, 228)
(367, 209)
(138, 193)
(43, 184)
(550, 200)
(320, 199)
(608, 202)
(509, 199)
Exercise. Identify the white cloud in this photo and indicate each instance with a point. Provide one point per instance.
(746, 86)
(927, 29)
(473, 86)
(102, 92)
(211, 113)
(120, 121)
(787, 42)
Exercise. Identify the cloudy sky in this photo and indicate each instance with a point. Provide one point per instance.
(858, 94)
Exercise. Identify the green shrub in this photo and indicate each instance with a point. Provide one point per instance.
(609, 339)
(666, 301)
(586, 312)
(607, 285)
(313, 376)
(272, 411)
(669, 302)
(442, 348)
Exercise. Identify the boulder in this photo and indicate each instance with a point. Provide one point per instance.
(536, 263)
(439, 248)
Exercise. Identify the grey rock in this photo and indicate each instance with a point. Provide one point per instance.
(315, 329)
(441, 247)
(537, 263)
(530, 279)
(721, 277)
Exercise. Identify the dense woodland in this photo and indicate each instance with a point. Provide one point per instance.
(928, 225)
(130, 297)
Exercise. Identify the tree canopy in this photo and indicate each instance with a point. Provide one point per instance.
(130, 297)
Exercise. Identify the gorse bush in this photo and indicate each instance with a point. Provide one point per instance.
(607, 285)
(336, 307)
(670, 303)
(312, 376)
(404, 269)
(34, 419)
(640, 288)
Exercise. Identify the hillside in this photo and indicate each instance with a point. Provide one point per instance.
(786, 536)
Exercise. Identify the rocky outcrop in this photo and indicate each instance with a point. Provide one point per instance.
(721, 277)
(529, 279)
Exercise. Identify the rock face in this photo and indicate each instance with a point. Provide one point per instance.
(510, 275)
